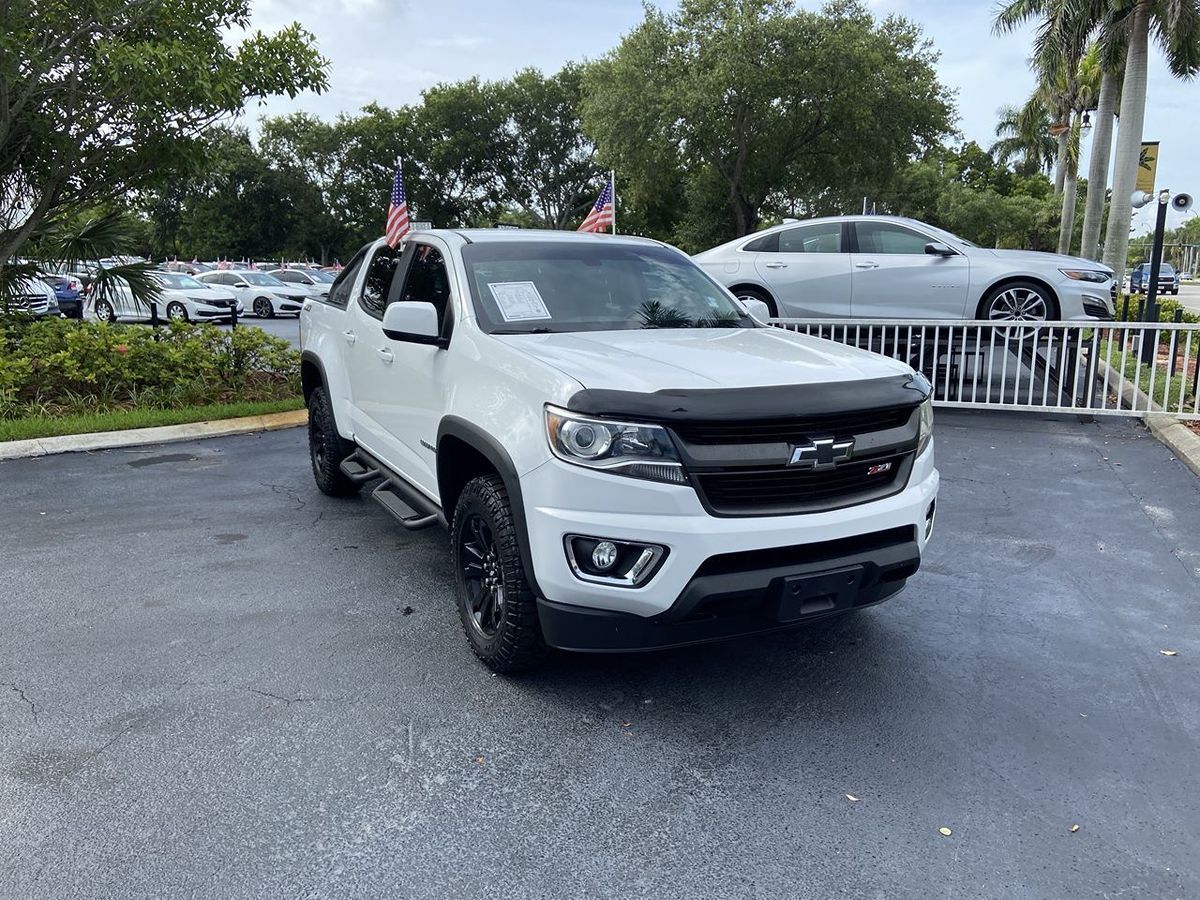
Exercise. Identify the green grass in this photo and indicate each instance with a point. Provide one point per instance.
(1140, 374)
(117, 420)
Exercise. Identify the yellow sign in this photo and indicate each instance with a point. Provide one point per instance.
(1147, 166)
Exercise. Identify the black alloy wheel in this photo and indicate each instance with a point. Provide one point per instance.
(483, 576)
(496, 603)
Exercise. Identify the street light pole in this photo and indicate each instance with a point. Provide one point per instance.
(1150, 348)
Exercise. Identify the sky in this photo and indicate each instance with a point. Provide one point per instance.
(388, 51)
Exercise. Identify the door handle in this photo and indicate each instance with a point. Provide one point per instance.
(775, 265)
(349, 336)
(385, 354)
(866, 265)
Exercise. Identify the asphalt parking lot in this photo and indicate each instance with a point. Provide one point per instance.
(219, 683)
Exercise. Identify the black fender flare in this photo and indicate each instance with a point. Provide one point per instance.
(494, 453)
(308, 356)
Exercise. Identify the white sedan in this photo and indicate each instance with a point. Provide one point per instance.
(886, 267)
(183, 299)
(264, 295)
(314, 282)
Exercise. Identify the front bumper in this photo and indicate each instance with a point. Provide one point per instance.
(753, 592)
(736, 563)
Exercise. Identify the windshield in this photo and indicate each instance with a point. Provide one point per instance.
(1164, 269)
(323, 277)
(533, 287)
(178, 281)
(261, 279)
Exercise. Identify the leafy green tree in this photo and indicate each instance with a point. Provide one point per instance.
(762, 99)
(546, 164)
(311, 154)
(105, 98)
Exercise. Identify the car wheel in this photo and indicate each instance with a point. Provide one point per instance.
(497, 607)
(177, 312)
(105, 311)
(748, 293)
(263, 308)
(327, 448)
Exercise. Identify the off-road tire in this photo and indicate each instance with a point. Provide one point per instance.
(326, 448)
(517, 643)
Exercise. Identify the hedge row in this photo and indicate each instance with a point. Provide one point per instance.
(63, 367)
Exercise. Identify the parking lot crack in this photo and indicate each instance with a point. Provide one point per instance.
(288, 701)
(289, 492)
(33, 707)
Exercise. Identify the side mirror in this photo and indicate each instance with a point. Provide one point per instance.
(756, 308)
(937, 248)
(241, 284)
(414, 322)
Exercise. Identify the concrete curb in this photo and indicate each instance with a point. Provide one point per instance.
(1177, 437)
(165, 434)
(1180, 439)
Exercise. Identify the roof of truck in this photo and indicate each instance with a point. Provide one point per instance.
(500, 235)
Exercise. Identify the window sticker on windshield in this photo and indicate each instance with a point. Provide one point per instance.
(519, 301)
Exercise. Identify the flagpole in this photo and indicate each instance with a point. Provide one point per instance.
(612, 180)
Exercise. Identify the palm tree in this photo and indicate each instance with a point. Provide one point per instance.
(1069, 77)
(1176, 27)
(1077, 90)
(1024, 134)
(1101, 156)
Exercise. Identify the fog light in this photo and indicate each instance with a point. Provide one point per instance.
(611, 561)
(604, 557)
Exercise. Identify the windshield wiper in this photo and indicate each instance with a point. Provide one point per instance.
(525, 331)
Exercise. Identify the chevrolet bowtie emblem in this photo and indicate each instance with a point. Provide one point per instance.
(821, 453)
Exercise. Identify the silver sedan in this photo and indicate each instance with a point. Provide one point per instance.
(886, 267)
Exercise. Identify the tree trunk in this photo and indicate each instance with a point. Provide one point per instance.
(1093, 210)
(1066, 225)
(745, 217)
(1060, 165)
(1129, 141)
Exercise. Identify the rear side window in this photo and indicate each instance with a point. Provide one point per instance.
(380, 271)
(339, 291)
(823, 238)
(768, 243)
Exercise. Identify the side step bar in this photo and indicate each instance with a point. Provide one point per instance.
(354, 469)
(408, 507)
(405, 503)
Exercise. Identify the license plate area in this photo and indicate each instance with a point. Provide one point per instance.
(801, 596)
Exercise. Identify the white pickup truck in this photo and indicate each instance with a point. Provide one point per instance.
(626, 459)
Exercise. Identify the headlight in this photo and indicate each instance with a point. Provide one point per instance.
(623, 448)
(1086, 275)
(925, 432)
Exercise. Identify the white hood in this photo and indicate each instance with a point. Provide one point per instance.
(660, 359)
(1039, 258)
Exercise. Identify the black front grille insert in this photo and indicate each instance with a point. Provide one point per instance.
(773, 431)
(784, 490)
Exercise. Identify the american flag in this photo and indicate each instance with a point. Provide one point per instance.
(398, 224)
(601, 216)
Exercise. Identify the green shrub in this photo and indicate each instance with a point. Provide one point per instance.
(60, 367)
